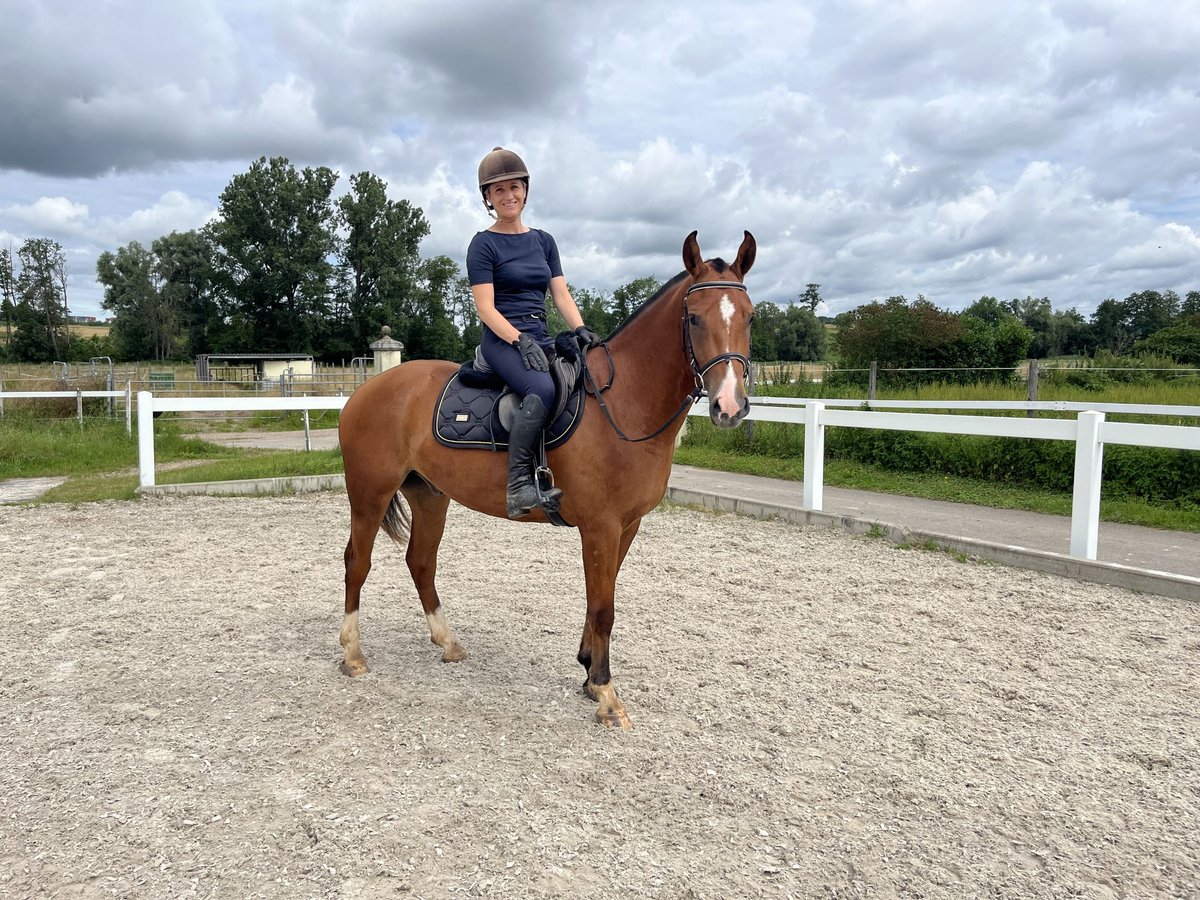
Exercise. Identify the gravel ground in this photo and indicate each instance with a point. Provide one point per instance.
(815, 715)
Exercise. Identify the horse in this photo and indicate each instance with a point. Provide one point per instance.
(689, 339)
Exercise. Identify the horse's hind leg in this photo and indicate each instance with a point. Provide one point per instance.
(428, 523)
(366, 515)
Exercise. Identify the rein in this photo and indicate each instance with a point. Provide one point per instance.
(698, 371)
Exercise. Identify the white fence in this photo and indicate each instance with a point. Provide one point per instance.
(1089, 431)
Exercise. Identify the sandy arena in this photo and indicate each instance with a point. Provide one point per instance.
(815, 715)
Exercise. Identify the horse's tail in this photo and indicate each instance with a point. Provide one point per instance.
(397, 521)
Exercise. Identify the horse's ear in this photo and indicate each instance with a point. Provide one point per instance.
(745, 255)
(692, 260)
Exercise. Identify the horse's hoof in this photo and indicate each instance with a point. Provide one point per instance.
(614, 718)
(612, 711)
(354, 669)
(453, 653)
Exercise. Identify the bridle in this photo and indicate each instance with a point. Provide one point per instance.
(698, 370)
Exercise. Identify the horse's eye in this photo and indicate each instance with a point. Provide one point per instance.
(693, 319)
(750, 321)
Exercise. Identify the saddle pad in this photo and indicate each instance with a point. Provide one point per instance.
(469, 418)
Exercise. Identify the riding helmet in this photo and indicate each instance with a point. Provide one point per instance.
(501, 165)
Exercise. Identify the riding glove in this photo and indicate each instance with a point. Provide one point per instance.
(587, 337)
(531, 354)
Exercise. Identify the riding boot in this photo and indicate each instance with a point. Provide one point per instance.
(523, 494)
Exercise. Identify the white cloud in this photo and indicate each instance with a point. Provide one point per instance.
(919, 146)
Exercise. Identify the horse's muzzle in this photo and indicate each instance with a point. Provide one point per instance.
(723, 419)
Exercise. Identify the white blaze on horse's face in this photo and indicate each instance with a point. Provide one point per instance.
(726, 398)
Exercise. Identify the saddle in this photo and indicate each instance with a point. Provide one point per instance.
(475, 409)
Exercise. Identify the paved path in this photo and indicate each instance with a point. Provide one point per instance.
(20, 490)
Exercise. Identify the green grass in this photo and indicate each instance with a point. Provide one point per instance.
(29, 449)
(849, 474)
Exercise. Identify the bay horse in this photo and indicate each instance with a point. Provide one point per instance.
(692, 336)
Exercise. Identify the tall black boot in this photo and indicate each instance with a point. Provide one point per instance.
(522, 439)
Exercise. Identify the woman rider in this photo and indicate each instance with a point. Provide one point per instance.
(510, 266)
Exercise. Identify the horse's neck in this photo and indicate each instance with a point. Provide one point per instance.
(652, 373)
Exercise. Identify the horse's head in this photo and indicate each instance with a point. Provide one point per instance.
(716, 328)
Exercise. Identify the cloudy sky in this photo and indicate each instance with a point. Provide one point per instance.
(949, 149)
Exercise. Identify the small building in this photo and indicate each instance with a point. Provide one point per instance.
(265, 367)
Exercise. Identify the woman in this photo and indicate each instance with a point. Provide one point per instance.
(510, 267)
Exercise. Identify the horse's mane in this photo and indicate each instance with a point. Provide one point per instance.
(719, 264)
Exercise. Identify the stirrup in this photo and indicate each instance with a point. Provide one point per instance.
(549, 497)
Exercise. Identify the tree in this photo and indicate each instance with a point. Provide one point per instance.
(1149, 311)
(1109, 328)
(8, 291)
(380, 255)
(1181, 342)
(811, 298)
(41, 316)
(765, 331)
(275, 242)
(898, 334)
(429, 331)
(184, 270)
(1190, 305)
(140, 330)
(801, 336)
(628, 297)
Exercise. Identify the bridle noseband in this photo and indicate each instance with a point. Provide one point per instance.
(698, 371)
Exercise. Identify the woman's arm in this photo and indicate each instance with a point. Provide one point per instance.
(563, 302)
(485, 304)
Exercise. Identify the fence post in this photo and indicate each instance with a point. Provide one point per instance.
(307, 433)
(129, 407)
(1085, 499)
(1031, 384)
(871, 380)
(145, 439)
(1, 395)
(814, 456)
(79, 407)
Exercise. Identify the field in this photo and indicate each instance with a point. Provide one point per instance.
(815, 715)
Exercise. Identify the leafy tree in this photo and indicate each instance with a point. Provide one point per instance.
(628, 297)
(1190, 305)
(898, 334)
(8, 291)
(1181, 342)
(41, 289)
(184, 272)
(811, 297)
(1109, 328)
(275, 240)
(801, 336)
(140, 330)
(1150, 311)
(429, 332)
(765, 331)
(380, 255)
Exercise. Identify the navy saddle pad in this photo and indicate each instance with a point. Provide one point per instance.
(476, 418)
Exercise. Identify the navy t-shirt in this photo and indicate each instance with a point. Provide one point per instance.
(519, 268)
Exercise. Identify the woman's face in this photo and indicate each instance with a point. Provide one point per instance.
(508, 198)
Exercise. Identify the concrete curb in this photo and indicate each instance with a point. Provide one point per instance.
(294, 484)
(1164, 584)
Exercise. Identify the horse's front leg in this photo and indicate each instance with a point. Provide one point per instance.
(604, 550)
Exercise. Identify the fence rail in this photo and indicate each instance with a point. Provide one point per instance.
(1088, 430)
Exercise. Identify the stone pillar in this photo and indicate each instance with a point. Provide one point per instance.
(386, 351)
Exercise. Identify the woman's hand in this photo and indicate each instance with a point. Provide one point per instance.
(531, 354)
(587, 337)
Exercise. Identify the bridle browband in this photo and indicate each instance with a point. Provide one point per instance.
(698, 371)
